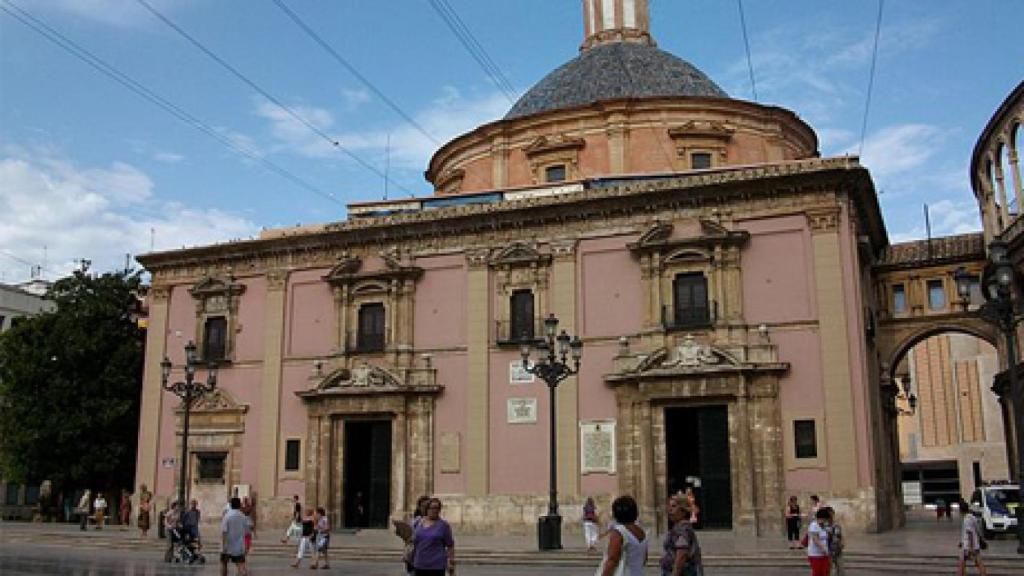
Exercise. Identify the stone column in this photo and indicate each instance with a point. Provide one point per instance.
(841, 439)
(1013, 159)
(270, 397)
(152, 392)
(563, 305)
(478, 436)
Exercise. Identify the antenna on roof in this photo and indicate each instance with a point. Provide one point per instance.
(387, 164)
(928, 230)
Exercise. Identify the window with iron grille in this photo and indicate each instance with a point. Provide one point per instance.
(371, 328)
(521, 315)
(805, 439)
(211, 467)
(215, 333)
(690, 299)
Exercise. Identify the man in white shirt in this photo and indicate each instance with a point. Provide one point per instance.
(970, 541)
(233, 528)
(817, 544)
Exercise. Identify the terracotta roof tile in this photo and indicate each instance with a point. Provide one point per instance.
(943, 248)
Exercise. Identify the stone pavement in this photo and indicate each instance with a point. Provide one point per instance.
(922, 547)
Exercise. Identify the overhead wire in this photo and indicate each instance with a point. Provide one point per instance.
(352, 70)
(746, 44)
(335, 143)
(54, 36)
(36, 265)
(871, 79)
(465, 37)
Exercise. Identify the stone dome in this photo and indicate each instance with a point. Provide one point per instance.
(615, 71)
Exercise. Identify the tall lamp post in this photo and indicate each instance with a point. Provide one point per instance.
(189, 391)
(552, 367)
(1001, 310)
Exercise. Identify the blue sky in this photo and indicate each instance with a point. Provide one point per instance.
(88, 169)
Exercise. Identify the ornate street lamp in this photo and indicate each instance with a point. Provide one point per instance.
(551, 367)
(1001, 310)
(189, 391)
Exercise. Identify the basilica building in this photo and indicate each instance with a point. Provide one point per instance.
(716, 268)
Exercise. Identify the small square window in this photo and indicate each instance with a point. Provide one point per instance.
(899, 298)
(554, 173)
(936, 295)
(700, 160)
(11, 497)
(211, 467)
(291, 455)
(805, 440)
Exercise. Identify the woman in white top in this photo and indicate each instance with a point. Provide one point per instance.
(970, 541)
(627, 543)
(817, 544)
(100, 507)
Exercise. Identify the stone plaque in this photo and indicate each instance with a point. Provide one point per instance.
(522, 410)
(597, 442)
(517, 374)
(449, 453)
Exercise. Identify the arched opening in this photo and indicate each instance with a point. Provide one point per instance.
(949, 424)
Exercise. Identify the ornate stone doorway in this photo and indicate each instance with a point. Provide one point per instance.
(366, 478)
(697, 457)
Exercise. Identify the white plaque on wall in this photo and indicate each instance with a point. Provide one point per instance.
(597, 443)
(522, 410)
(517, 374)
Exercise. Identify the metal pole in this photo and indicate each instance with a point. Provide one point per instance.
(553, 493)
(182, 489)
(1017, 398)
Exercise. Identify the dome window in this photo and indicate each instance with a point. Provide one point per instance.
(555, 173)
(700, 160)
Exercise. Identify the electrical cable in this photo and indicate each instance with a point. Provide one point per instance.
(352, 70)
(277, 102)
(871, 79)
(746, 43)
(113, 73)
(40, 267)
(465, 37)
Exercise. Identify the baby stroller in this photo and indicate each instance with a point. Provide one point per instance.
(185, 548)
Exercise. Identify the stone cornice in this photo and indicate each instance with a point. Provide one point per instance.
(602, 198)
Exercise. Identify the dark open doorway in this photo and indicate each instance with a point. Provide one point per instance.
(697, 456)
(367, 482)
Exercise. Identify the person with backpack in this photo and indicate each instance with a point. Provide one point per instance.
(817, 544)
(835, 542)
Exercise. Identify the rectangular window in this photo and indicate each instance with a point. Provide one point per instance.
(521, 315)
(215, 333)
(899, 298)
(291, 455)
(805, 440)
(690, 295)
(211, 467)
(2, 318)
(700, 160)
(975, 297)
(371, 328)
(554, 173)
(11, 497)
(31, 495)
(936, 295)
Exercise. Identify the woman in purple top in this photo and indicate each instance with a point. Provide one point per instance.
(433, 545)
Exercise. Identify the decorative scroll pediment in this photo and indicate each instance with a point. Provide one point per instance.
(219, 400)
(657, 234)
(657, 238)
(703, 129)
(346, 266)
(518, 253)
(209, 286)
(348, 270)
(544, 145)
(369, 379)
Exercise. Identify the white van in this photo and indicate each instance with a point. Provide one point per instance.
(996, 506)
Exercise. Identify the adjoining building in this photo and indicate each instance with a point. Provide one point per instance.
(717, 269)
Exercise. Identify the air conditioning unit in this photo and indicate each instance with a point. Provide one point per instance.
(240, 491)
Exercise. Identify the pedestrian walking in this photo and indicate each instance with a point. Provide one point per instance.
(626, 553)
(294, 531)
(99, 507)
(233, 528)
(816, 504)
(817, 544)
(248, 510)
(433, 543)
(972, 542)
(691, 504)
(145, 509)
(190, 520)
(835, 542)
(172, 526)
(322, 538)
(590, 524)
(306, 538)
(680, 549)
(83, 509)
(125, 509)
(792, 514)
(940, 508)
(404, 529)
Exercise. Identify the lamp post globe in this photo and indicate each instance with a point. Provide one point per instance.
(554, 353)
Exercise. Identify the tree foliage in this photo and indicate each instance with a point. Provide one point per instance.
(70, 386)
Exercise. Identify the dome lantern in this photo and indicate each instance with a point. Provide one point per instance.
(609, 21)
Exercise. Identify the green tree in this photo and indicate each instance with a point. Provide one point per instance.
(70, 386)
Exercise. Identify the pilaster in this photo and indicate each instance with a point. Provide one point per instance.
(152, 392)
(478, 378)
(270, 399)
(563, 305)
(835, 349)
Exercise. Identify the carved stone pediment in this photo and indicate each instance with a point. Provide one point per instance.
(368, 379)
(518, 253)
(220, 400)
(348, 270)
(346, 266)
(692, 357)
(657, 234)
(703, 129)
(657, 238)
(210, 286)
(544, 145)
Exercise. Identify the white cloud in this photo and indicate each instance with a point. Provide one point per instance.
(117, 13)
(355, 98)
(168, 157)
(899, 149)
(99, 213)
(947, 217)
